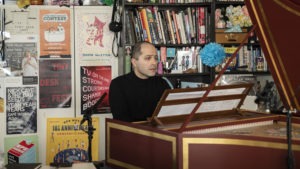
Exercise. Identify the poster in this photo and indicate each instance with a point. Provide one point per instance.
(55, 34)
(55, 83)
(21, 21)
(67, 142)
(95, 81)
(95, 40)
(21, 109)
(21, 59)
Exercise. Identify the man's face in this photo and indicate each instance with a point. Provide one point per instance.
(146, 65)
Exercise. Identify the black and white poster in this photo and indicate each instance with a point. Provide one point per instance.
(21, 109)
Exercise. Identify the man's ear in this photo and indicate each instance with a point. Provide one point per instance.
(133, 62)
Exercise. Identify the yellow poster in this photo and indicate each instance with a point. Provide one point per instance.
(67, 140)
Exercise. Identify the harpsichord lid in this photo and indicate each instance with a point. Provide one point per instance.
(278, 23)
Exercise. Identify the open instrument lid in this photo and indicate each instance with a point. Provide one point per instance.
(176, 104)
(278, 23)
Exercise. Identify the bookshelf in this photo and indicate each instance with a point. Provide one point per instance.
(176, 25)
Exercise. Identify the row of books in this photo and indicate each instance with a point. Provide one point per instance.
(168, 1)
(188, 60)
(248, 58)
(180, 60)
(167, 26)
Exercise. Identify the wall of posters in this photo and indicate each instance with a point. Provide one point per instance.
(52, 37)
(67, 141)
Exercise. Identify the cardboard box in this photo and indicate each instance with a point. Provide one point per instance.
(24, 152)
(230, 37)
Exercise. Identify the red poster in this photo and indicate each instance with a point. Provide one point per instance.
(55, 83)
(95, 81)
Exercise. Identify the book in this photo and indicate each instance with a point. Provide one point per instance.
(24, 166)
(145, 22)
(184, 61)
(202, 25)
(229, 51)
(23, 152)
(181, 28)
(176, 27)
(162, 29)
(170, 27)
(171, 52)
(157, 20)
(152, 26)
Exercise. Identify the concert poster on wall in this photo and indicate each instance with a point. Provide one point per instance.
(55, 83)
(94, 39)
(22, 59)
(21, 109)
(95, 81)
(21, 21)
(67, 140)
(55, 41)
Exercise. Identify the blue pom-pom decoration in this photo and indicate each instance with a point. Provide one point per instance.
(212, 54)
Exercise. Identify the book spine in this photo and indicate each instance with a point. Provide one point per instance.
(170, 27)
(202, 36)
(143, 13)
(141, 24)
(176, 27)
(162, 28)
(151, 24)
(166, 27)
(158, 24)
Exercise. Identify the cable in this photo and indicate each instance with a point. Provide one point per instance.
(115, 43)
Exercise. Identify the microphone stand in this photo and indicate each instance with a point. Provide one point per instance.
(290, 159)
(88, 117)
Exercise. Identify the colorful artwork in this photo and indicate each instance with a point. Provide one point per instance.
(55, 38)
(94, 40)
(67, 140)
(95, 81)
(95, 32)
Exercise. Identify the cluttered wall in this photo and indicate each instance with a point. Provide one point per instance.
(57, 62)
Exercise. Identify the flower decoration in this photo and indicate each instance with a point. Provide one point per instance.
(237, 16)
(212, 54)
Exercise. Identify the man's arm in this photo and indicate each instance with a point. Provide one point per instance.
(117, 102)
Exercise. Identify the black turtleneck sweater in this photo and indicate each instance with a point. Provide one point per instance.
(134, 99)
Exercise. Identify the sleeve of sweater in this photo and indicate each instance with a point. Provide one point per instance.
(117, 103)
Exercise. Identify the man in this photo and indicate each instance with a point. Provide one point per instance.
(134, 96)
